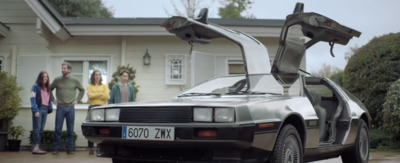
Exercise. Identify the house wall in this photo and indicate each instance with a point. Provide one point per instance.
(16, 11)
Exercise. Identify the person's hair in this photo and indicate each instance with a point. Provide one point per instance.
(123, 71)
(69, 66)
(92, 80)
(39, 81)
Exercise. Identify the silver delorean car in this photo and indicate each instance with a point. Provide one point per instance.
(273, 113)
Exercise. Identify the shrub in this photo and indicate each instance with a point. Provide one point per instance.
(391, 110)
(379, 139)
(9, 99)
(48, 138)
(371, 70)
(337, 78)
(16, 131)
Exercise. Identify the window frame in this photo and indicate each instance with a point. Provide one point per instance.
(85, 71)
(3, 64)
(168, 70)
(233, 60)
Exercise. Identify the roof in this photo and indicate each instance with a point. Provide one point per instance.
(158, 21)
(66, 27)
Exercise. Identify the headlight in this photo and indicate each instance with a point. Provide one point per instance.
(202, 114)
(224, 115)
(97, 115)
(112, 114)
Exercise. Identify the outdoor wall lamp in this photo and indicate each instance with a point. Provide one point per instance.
(146, 58)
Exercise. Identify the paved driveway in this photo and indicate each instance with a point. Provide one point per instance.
(83, 157)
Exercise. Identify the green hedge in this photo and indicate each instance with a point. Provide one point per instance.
(371, 70)
(391, 110)
(47, 139)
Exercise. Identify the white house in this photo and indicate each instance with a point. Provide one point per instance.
(34, 37)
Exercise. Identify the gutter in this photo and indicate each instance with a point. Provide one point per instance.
(50, 17)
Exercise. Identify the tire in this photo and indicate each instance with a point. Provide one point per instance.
(360, 152)
(288, 146)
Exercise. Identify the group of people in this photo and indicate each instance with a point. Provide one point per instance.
(65, 87)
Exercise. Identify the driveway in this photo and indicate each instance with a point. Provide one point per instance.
(82, 156)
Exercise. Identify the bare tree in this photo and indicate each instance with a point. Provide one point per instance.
(327, 71)
(190, 6)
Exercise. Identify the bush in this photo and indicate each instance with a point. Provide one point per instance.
(9, 99)
(337, 78)
(391, 110)
(48, 137)
(371, 70)
(380, 139)
(16, 131)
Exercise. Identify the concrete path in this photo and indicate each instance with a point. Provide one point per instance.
(83, 156)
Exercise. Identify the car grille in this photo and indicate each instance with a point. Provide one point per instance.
(157, 115)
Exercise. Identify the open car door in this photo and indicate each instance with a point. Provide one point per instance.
(255, 55)
(313, 26)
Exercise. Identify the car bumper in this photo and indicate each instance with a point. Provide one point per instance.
(233, 143)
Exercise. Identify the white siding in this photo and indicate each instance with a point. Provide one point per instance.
(16, 11)
(28, 70)
(203, 67)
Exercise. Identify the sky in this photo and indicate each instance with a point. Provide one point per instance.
(373, 18)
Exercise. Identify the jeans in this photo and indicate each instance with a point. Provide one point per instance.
(90, 144)
(38, 124)
(67, 112)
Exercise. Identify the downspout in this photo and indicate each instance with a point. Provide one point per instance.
(123, 50)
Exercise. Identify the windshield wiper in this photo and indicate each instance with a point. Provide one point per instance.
(199, 94)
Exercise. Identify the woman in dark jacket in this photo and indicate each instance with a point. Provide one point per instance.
(41, 105)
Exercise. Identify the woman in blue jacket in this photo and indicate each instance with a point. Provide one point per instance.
(41, 105)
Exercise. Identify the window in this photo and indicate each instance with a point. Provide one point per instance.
(3, 62)
(82, 70)
(175, 70)
(235, 67)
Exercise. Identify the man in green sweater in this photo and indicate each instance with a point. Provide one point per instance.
(66, 87)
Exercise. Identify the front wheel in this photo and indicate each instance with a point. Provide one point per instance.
(360, 151)
(288, 146)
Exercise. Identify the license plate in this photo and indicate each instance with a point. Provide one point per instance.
(148, 133)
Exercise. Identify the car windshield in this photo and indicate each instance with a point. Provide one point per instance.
(265, 84)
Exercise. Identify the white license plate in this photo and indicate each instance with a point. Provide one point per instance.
(148, 133)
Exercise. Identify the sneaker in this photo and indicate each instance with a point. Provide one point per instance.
(38, 151)
(55, 152)
(70, 151)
